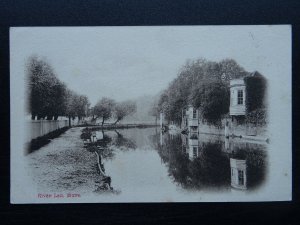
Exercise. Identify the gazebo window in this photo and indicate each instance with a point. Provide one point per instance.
(240, 97)
(195, 152)
(194, 114)
(241, 177)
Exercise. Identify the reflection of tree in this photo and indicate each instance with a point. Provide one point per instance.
(105, 141)
(171, 154)
(256, 164)
(212, 168)
(101, 146)
(121, 141)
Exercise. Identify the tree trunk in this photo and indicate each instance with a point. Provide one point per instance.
(55, 117)
(32, 117)
(102, 121)
(69, 121)
(116, 122)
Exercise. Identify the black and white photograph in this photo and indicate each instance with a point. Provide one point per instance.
(150, 114)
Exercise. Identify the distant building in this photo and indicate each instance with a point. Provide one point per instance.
(190, 119)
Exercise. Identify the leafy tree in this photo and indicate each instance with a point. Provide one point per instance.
(205, 85)
(123, 109)
(82, 105)
(104, 108)
(45, 90)
(213, 100)
(48, 96)
(76, 105)
(70, 105)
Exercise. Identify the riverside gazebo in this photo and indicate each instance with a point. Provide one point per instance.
(237, 98)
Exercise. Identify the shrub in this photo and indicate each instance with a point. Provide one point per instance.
(258, 117)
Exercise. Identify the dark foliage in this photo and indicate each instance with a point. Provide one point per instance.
(213, 102)
(256, 87)
(256, 165)
(212, 168)
(257, 117)
(48, 97)
(256, 105)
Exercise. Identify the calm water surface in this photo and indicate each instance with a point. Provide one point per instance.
(146, 160)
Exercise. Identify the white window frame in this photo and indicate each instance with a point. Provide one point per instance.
(240, 97)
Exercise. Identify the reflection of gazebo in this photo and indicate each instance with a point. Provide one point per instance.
(238, 173)
(193, 144)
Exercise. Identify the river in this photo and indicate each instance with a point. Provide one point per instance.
(149, 161)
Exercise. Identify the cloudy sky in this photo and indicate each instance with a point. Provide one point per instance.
(128, 62)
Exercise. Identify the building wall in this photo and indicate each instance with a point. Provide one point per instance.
(235, 108)
(234, 128)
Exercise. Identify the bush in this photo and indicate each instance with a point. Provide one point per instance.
(258, 117)
(256, 87)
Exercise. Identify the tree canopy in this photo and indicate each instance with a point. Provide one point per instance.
(48, 96)
(123, 109)
(104, 108)
(203, 84)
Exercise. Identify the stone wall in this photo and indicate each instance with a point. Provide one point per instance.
(234, 129)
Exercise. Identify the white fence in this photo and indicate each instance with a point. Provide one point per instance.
(37, 128)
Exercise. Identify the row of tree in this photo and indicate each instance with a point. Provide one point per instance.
(48, 96)
(203, 84)
(107, 108)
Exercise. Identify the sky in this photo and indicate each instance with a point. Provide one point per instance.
(128, 62)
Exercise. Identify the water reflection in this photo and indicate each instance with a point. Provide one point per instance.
(238, 173)
(210, 161)
(121, 141)
(194, 161)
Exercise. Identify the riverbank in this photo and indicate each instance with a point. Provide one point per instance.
(64, 166)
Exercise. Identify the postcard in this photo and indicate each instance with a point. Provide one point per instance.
(151, 114)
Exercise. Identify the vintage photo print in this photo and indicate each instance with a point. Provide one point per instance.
(150, 114)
